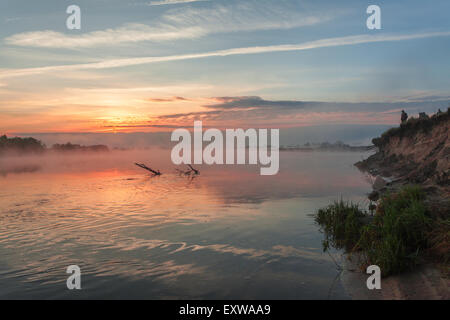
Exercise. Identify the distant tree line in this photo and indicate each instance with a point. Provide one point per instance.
(326, 146)
(76, 147)
(31, 145)
(21, 145)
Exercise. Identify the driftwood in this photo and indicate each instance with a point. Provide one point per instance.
(143, 166)
(188, 172)
(182, 172)
(193, 170)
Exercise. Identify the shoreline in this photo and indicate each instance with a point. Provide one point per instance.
(424, 283)
(413, 155)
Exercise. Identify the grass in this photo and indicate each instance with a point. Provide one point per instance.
(393, 239)
(397, 234)
(342, 224)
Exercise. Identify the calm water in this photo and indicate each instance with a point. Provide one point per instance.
(227, 234)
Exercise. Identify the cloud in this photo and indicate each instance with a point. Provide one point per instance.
(189, 115)
(128, 33)
(258, 103)
(166, 2)
(248, 16)
(322, 43)
(165, 126)
(424, 98)
(172, 99)
(188, 23)
(256, 111)
(13, 19)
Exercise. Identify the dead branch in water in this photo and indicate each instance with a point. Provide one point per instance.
(182, 172)
(143, 166)
(193, 170)
(188, 172)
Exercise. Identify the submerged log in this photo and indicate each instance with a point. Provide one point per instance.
(143, 166)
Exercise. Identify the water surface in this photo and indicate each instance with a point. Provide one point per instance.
(226, 234)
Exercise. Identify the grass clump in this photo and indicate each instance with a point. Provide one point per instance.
(398, 232)
(342, 224)
(393, 239)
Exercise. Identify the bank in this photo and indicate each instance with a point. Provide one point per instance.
(406, 229)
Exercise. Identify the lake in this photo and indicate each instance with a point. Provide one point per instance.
(228, 233)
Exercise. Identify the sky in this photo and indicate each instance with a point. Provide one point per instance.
(145, 66)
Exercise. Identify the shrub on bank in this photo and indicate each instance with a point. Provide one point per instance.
(393, 239)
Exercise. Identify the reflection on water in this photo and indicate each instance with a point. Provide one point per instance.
(228, 233)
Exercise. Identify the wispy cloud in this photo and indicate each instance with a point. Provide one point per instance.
(14, 19)
(127, 33)
(258, 103)
(172, 99)
(166, 2)
(248, 16)
(256, 111)
(322, 43)
(189, 23)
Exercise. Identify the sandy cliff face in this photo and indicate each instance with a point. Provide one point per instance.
(416, 152)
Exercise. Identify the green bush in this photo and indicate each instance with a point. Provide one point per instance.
(342, 223)
(392, 240)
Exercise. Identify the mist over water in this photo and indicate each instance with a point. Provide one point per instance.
(74, 161)
(351, 134)
(227, 233)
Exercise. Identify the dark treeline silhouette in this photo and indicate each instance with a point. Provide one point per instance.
(21, 145)
(28, 145)
(76, 147)
(325, 146)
